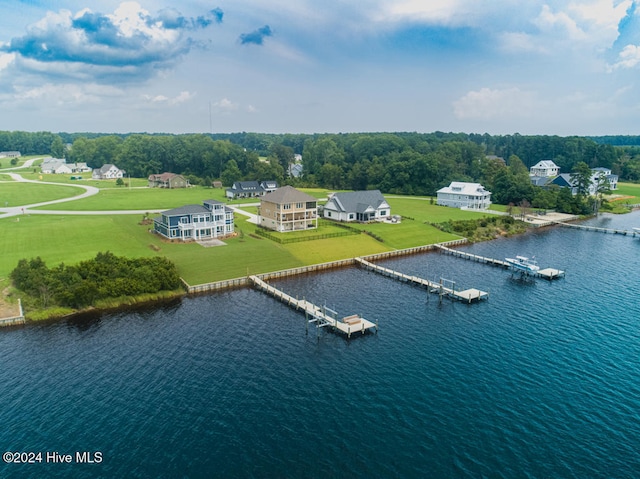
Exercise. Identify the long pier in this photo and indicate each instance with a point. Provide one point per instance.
(347, 325)
(601, 230)
(547, 273)
(467, 295)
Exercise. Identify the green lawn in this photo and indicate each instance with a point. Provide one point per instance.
(628, 190)
(17, 194)
(72, 238)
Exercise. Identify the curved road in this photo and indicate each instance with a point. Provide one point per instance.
(89, 191)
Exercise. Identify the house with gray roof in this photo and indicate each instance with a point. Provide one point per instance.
(107, 172)
(360, 206)
(212, 219)
(544, 168)
(288, 209)
(460, 194)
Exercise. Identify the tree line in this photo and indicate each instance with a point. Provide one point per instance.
(404, 163)
(105, 276)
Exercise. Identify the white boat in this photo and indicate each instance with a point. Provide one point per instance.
(522, 263)
(636, 231)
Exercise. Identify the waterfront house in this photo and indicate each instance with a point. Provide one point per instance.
(357, 206)
(10, 154)
(168, 180)
(212, 219)
(464, 195)
(288, 209)
(606, 173)
(564, 180)
(544, 168)
(107, 172)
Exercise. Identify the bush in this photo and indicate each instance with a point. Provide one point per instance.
(106, 276)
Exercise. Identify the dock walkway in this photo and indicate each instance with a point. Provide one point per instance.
(547, 273)
(600, 230)
(467, 295)
(348, 325)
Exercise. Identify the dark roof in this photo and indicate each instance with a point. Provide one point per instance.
(288, 194)
(540, 180)
(357, 201)
(246, 186)
(564, 179)
(186, 210)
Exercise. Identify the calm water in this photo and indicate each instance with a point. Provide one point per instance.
(542, 380)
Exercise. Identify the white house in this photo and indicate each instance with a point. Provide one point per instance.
(357, 206)
(464, 195)
(544, 168)
(55, 166)
(107, 172)
(606, 172)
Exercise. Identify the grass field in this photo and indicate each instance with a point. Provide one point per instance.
(630, 192)
(70, 238)
(18, 194)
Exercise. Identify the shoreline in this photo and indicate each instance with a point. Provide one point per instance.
(242, 282)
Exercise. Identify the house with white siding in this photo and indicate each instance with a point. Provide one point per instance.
(107, 172)
(360, 206)
(464, 195)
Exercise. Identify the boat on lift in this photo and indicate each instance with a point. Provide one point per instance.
(522, 263)
(636, 231)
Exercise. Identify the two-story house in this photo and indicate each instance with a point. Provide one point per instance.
(107, 172)
(168, 180)
(464, 195)
(544, 168)
(212, 219)
(288, 209)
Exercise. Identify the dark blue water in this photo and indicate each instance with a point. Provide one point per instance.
(542, 380)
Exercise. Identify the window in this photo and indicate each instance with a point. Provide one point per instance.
(383, 212)
(286, 206)
(329, 214)
(299, 206)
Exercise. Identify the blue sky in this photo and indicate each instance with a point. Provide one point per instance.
(302, 66)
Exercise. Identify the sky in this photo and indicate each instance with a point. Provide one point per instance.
(531, 67)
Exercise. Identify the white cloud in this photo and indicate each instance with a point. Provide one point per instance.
(487, 104)
(629, 57)
(6, 59)
(182, 97)
(226, 105)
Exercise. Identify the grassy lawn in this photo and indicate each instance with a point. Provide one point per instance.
(17, 194)
(630, 193)
(71, 239)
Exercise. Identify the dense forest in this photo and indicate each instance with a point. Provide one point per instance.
(402, 163)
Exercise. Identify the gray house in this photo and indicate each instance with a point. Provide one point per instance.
(357, 206)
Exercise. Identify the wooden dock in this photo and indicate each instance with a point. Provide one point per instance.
(547, 273)
(467, 295)
(318, 315)
(601, 230)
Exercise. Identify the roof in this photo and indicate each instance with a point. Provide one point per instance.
(186, 210)
(246, 186)
(545, 164)
(106, 167)
(288, 194)
(462, 188)
(564, 179)
(540, 180)
(358, 201)
(163, 177)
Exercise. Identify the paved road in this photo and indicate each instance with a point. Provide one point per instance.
(6, 212)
